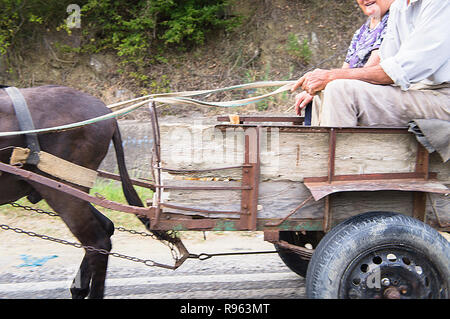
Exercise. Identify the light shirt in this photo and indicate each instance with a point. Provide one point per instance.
(416, 47)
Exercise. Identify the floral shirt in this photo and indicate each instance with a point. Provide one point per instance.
(364, 41)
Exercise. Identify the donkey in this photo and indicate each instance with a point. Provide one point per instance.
(85, 146)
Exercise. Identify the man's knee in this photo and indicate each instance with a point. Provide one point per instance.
(338, 104)
(339, 87)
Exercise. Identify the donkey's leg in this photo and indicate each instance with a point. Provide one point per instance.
(98, 264)
(80, 285)
(93, 267)
(85, 226)
(106, 223)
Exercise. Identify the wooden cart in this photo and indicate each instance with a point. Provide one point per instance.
(349, 208)
(346, 207)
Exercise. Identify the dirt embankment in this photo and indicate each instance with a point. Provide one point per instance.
(278, 40)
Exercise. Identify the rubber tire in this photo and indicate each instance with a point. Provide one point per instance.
(292, 260)
(358, 234)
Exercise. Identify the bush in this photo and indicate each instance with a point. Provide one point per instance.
(19, 18)
(131, 28)
(300, 51)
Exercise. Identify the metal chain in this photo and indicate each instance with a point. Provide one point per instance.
(147, 262)
(204, 256)
(53, 214)
(37, 210)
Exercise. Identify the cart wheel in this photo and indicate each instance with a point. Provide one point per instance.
(293, 261)
(380, 255)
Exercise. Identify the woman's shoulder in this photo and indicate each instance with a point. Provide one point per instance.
(363, 27)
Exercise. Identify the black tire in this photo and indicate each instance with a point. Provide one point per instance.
(380, 255)
(292, 260)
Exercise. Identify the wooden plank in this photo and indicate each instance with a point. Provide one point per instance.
(345, 205)
(277, 199)
(437, 211)
(285, 156)
(286, 159)
(442, 169)
(264, 119)
(290, 156)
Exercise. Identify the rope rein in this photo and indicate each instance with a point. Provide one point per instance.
(185, 97)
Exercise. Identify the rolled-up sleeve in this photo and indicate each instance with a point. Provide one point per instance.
(423, 51)
(393, 67)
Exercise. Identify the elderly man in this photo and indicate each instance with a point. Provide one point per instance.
(411, 81)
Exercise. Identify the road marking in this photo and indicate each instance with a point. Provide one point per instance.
(156, 280)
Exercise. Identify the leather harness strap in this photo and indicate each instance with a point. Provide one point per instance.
(33, 155)
(25, 123)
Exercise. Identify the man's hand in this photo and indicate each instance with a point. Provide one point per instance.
(314, 81)
(318, 79)
(301, 100)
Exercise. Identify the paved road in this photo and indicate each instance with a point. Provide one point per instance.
(150, 285)
(230, 277)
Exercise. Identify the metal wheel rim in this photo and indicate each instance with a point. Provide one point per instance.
(392, 272)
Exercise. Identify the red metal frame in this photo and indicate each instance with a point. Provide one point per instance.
(420, 182)
(30, 176)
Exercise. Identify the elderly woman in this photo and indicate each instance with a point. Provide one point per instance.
(363, 49)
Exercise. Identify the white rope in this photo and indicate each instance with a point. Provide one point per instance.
(170, 98)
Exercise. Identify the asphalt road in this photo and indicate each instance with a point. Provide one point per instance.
(223, 277)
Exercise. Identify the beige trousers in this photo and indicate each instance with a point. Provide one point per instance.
(346, 103)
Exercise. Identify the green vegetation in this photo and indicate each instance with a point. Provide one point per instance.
(300, 51)
(135, 29)
(112, 190)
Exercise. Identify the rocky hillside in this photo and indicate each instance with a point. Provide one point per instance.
(277, 40)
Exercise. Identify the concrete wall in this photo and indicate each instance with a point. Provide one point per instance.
(137, 142)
